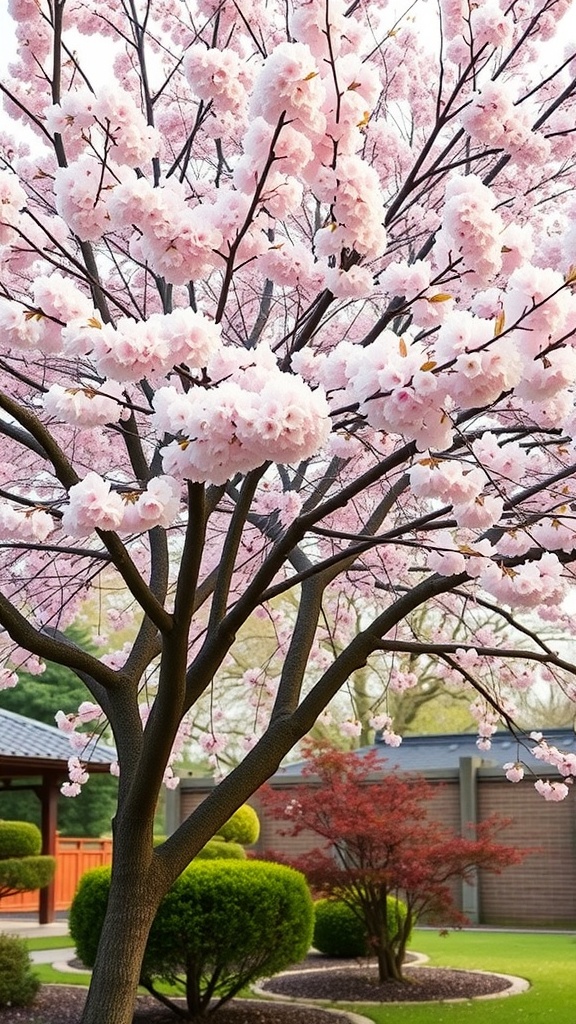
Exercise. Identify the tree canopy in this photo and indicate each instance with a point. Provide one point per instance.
(286, 307)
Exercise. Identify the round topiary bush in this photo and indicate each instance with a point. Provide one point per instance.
(19, 839)
(243, 827)
(340, 932)
(18, 984)
(229, 922)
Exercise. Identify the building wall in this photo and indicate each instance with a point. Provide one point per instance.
(541, 891)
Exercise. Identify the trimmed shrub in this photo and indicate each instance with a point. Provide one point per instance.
(243, 827)
(222, 925)
(218, 849)
(86, 915)
(339, 932)
(19, 839)
(18, 984)
(24, 874)
(21, 867)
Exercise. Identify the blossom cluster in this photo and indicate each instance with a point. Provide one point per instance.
(93, 504)
(235, 427)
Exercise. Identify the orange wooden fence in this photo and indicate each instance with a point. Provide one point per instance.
(73, 858)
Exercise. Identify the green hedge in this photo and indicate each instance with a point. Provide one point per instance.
(340, 932)
(222, 925)
(19, 839)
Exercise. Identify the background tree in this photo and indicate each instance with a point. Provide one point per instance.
(286, 306)
(381, 847)
(419, 694)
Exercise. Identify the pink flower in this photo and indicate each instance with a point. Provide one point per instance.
(351, 728)
(12, 199)
(92, 505)
(290, 84)
(514, 771)
(553, 791)
(70, 789)
(8, 679)
(391, 739)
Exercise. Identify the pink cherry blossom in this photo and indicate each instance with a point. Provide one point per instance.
(12, 200)
(514, 771)
(552, 791)
(92, 505)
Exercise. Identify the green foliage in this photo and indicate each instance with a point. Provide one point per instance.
(19, 839)
(18, 983)
(221, 926)
(218, 849)
(24, 874)
(339, 931)
(243, 827)
(215, 849)
(87, 912)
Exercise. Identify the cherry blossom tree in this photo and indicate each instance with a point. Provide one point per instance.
(286, 306)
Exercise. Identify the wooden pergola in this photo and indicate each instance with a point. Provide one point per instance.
(34, 756)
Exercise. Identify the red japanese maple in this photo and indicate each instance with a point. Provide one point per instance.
(381, 841)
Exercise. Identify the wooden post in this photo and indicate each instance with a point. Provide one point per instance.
(49, 804)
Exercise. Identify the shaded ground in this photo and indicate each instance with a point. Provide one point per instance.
(317, 978)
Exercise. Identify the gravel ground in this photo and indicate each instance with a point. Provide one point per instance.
(360, 984)
(348, 982)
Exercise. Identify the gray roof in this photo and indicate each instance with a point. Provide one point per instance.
(443, 752)
(24, 738)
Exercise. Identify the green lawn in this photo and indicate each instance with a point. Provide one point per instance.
(50, 942)
(45, 972)
(547, 961)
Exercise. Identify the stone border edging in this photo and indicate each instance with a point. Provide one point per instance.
(516, 987)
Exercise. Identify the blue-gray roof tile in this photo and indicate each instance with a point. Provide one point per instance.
(443, 752)
(22, 737)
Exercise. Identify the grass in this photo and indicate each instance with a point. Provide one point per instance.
(45, 972)
(48, 976)
(547, 961)
(50, 942)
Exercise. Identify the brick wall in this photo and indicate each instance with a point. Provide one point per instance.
(542, 889)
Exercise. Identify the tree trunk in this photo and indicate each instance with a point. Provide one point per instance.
(132, 906)
(388, 967)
